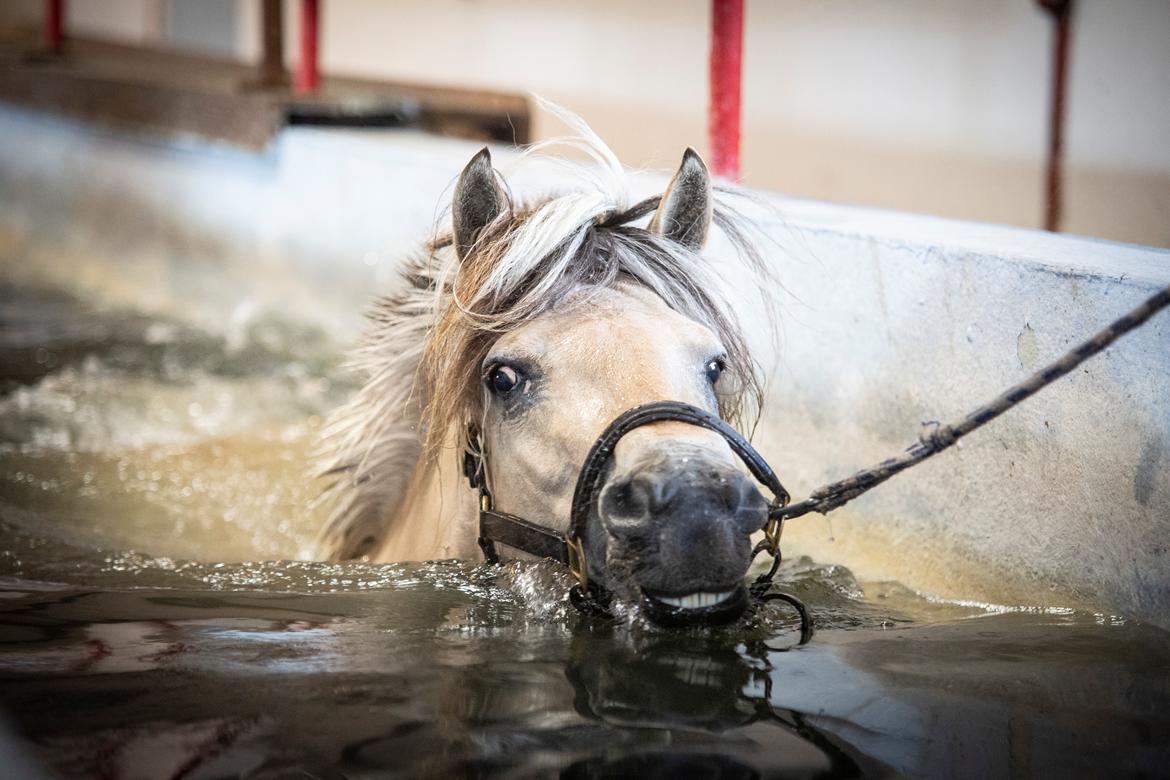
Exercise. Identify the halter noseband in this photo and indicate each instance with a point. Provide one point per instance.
(569, 548)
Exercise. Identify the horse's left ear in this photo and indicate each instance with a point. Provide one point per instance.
(478, 200)
(684, 214)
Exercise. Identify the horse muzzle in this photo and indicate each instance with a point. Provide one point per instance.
(681, 524)
(684, 530)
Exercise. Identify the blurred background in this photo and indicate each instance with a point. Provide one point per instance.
(930, 106)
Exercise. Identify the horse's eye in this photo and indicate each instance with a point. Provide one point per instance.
(715, 370)
(503, 379)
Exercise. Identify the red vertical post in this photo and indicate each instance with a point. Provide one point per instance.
(726, 78)
(52, 25)
(308, 78)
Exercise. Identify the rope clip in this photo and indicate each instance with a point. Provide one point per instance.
(577, 565)
(772, 532)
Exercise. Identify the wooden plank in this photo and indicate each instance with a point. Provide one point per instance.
(168, 93)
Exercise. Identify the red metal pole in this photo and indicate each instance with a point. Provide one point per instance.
(52, 24)
(308, 78)
(726, 73)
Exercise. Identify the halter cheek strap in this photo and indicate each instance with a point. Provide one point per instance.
(569, 548)
(501, 527)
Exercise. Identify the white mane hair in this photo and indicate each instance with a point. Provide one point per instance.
(422, 351)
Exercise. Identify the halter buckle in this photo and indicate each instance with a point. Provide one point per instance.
(577, 565)
(772, 532)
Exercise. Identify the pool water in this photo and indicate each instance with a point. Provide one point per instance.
(158, 617)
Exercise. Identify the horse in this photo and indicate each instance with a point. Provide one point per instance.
(538, 322)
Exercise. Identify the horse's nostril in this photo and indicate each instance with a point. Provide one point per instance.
(749, 506)
(619, 498)
(624, 500)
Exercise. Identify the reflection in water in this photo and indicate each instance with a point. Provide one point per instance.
(154, 624)
(692, 688)
(452, 676)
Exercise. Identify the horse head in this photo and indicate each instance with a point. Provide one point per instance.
(629, 319)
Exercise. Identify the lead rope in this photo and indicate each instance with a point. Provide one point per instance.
(934, 439)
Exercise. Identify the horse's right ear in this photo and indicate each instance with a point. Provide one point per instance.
(478, 200)
(684, 213)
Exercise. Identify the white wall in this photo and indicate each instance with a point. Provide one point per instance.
(937, 106)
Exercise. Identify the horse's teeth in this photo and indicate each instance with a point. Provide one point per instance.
(697, 600)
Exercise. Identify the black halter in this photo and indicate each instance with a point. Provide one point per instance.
(569, 548)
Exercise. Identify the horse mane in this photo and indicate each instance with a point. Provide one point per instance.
(422, 352)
